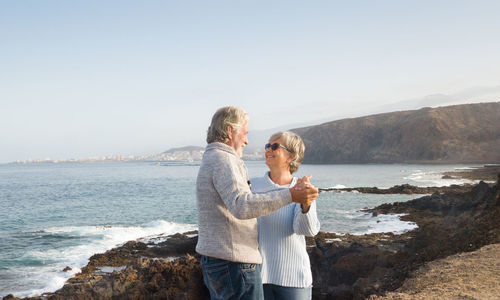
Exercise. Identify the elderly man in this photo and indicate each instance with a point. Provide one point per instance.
(227, 210)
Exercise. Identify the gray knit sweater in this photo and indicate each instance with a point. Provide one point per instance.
(227, 209)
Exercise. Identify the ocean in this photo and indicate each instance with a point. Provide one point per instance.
(58, 215)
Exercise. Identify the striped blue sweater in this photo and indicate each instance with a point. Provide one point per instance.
(282, 242)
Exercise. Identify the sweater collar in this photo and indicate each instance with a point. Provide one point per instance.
(222, 147)
(268, 178)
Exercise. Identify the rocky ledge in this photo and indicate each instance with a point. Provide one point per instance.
(344, 267)
(487, 173)
(404, 189)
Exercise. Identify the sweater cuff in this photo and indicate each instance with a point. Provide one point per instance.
(287, 196)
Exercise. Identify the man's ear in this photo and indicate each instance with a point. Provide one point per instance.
(230, 132)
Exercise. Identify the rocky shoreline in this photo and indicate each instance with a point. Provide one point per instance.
(485, 173)
(488, 173)
(404, 189)
(344, 267)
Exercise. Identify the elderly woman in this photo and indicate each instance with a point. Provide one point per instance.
(286, 270)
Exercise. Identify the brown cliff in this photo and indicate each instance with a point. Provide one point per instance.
(467, 133)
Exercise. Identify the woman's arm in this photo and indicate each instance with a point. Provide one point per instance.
(306, 223)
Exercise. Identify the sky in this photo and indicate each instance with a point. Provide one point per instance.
(94, 78)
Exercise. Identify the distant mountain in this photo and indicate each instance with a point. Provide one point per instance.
(478, 94)
(468, 133)
(184, 149)
(188, 153)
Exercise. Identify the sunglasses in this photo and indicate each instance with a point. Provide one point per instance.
(275, 146)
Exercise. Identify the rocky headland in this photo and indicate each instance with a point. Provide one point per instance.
(344, 266)
(468, 133)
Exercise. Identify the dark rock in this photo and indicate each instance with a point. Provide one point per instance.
(448, 223)
(67, 269)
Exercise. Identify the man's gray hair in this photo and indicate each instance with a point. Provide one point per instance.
(226, 116)
(294, 143)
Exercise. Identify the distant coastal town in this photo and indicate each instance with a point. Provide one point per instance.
(109, 158)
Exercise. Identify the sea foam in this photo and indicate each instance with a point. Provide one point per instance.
(387, 223)
(357, 222)
(89, 240)
(435, 178)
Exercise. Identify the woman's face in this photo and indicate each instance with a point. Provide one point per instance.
(279, 158)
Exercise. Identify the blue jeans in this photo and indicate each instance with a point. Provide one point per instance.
(278, 292)
(230, 280)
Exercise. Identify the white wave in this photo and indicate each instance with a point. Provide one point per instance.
(341, 211)
(337, 186)
(386, 223)
(435, 178)
(466, 168)
(354, 215)
(56, 282)
(97, 239)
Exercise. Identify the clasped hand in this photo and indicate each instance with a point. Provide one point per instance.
(304, 192)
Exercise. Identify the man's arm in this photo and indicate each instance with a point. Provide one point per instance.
(236, 195)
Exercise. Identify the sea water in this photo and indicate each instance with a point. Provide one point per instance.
(58, 215)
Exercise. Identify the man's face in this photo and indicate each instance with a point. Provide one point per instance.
(238, 140)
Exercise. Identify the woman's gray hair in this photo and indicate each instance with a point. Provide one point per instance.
(226, 116)
(294, 143)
